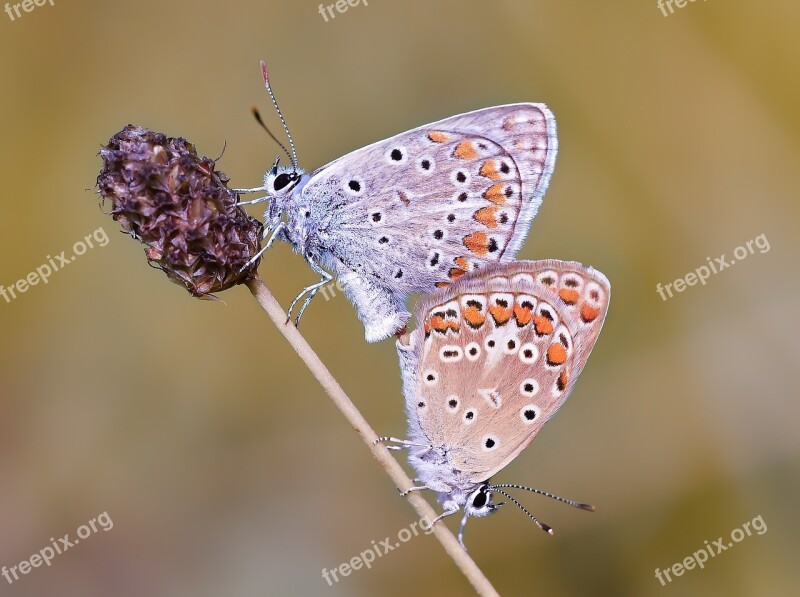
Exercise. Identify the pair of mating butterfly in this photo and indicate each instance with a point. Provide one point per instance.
(443, 209)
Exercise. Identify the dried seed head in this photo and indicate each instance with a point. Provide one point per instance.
(180, 207)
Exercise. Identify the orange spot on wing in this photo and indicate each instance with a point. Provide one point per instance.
(523, 315)
(487, 216)
(589, 313)
(496, 194)
(462, 263)
(441, 284)
(474, 317)
(569, 295)
(489, 170)
(465, 151)
(439, 324)
(456, 272)
(543, 325)
(556, 354)
(477, 242)
(500, 314)
(437, 137)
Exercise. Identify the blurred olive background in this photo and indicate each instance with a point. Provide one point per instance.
(223, 465)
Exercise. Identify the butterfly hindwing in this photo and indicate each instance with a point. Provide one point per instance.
(497, 354)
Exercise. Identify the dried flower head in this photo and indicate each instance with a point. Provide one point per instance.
(180, 207)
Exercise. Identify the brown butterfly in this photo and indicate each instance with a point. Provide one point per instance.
(494, 356)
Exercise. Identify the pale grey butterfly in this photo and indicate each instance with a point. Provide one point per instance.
(494, 356)
(414, 212)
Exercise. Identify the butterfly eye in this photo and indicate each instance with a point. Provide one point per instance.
(281, 181)
(480, 500)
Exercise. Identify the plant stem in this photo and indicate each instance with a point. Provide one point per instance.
(479, 582)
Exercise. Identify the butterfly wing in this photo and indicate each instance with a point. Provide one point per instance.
(497, 354)
(420, 209)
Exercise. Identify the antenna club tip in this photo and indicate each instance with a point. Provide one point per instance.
(549, 530)
(588, 507)
(264, 71)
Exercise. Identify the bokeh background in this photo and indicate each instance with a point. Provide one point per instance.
(222, 464)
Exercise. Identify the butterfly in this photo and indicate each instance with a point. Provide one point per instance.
(494, 356)
(415, 212)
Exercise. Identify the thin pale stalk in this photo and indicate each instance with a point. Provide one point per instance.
(465, 563)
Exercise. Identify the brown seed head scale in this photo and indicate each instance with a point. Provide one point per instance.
(181, 208)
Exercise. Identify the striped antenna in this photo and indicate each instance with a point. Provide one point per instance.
(264, 74)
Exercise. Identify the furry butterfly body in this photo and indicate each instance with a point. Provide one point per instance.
(494, 356)
(414, 212)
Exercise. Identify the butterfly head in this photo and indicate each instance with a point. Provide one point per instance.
(281, 180)
(280, 183)
(479, 502)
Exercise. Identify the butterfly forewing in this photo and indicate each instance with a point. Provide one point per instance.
(498, 353)
(420, 209)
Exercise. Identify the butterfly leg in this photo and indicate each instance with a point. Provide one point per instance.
(410, 489)
(310, 291)
(461, 530)
(252, 201)
(273, 237)
(444, 514)
(253, 190)
(404, 443)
